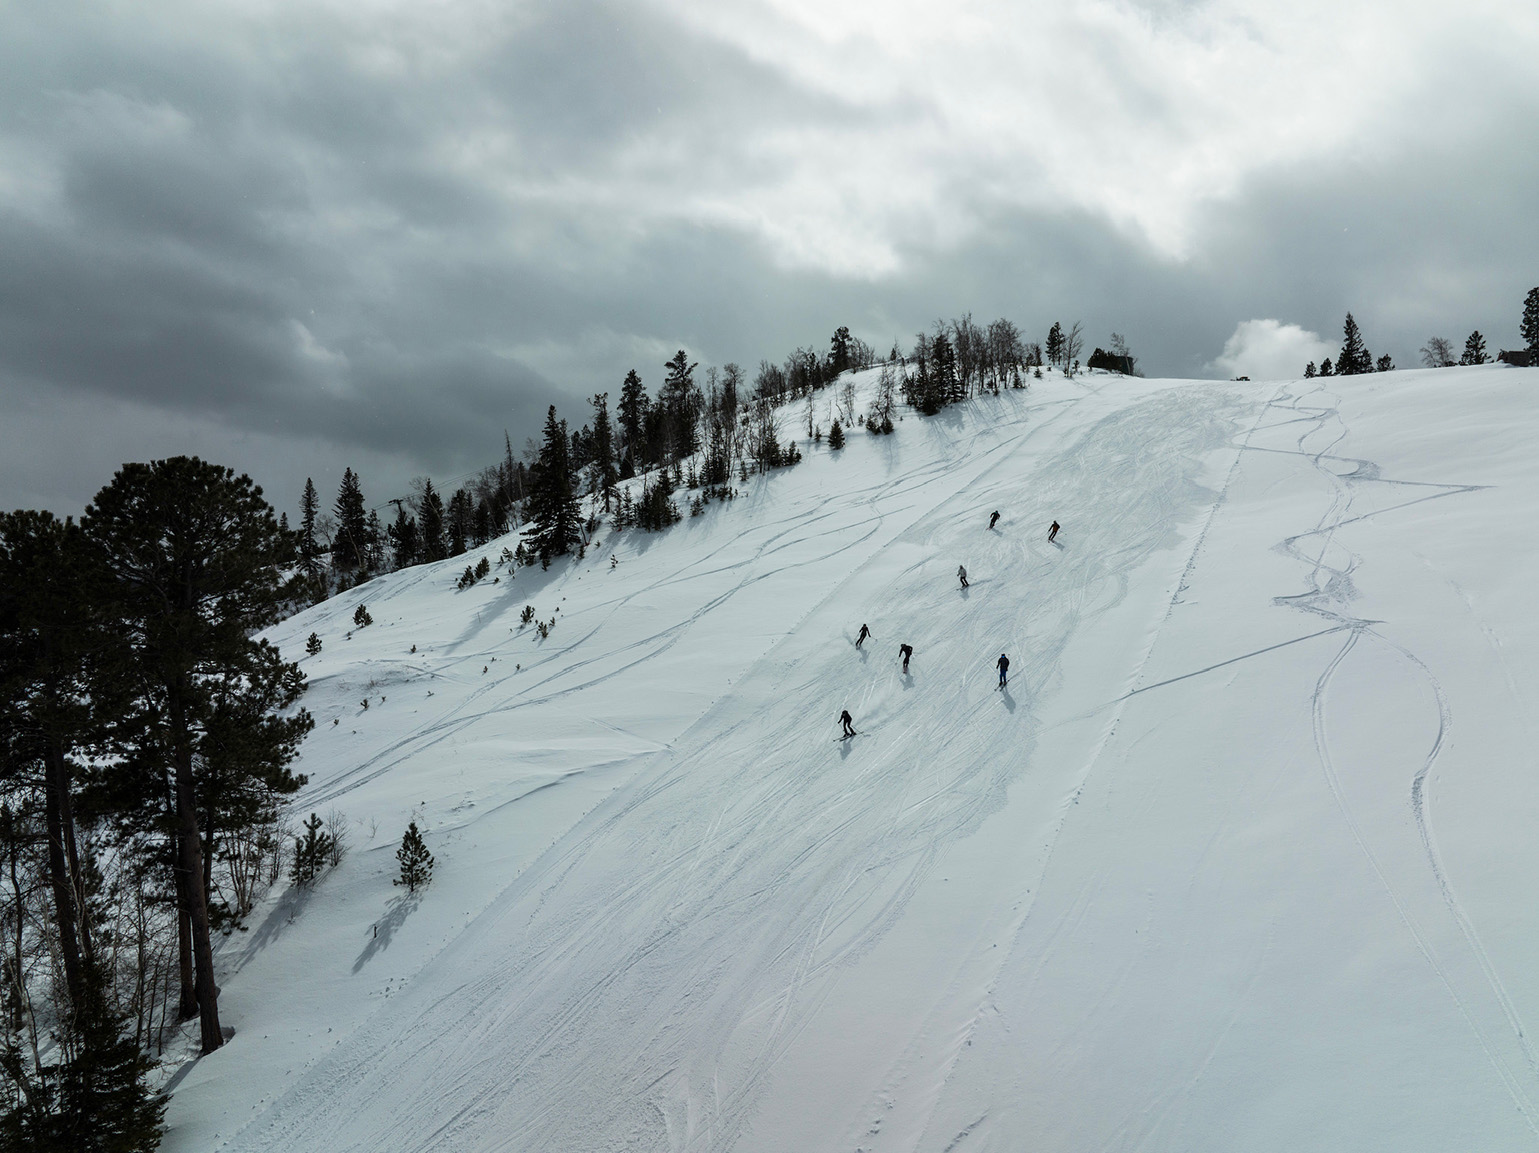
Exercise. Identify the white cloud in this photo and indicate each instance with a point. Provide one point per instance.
(1270, 350)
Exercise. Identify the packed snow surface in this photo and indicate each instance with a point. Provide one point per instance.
(1241, 858)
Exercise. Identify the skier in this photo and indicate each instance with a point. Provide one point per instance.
(962, 575)
(993, 520)
(905, 651)
(1004, 668)
(848, 722)
(864, 633)
(1052, 532)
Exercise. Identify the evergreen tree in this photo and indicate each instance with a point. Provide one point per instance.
(1386, 364)
(458, 522)
(1475, 350)
(839, 351)
(310, 853)
(403, 537)
(836, 436)
(1354, 358)
(195, 560)
(94, 1098)
(416, 861)
(605, 474)
(1529, 327)
(374, 538)
(430, 528)
(1326, 368)
(554, 510)
(633, 417)
(351, 542)
(1309, 371)
(313, 644)
(1055, 342)
(49, 634)
(309, 547)
(679, 403)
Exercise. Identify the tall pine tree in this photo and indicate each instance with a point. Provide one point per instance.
(1354, 358)
(1475, 350)
(633, 419)
(350, 549)
(553, 507)
(309, 547)
(1529, 326)
(196, 559)
(430, 524)
(679, 400)
(605, 475)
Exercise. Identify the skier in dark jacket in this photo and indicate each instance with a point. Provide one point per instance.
(905, 651)
(993, 520)
(848, 722)
(962, 575)
(1052, 532)
(1004, 669)
(864, 633)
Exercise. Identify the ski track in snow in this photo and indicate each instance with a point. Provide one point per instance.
(1329, 595)
(637, 985)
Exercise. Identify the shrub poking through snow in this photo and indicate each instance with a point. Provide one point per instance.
(416, 861)
(467, 578)
(527, 615)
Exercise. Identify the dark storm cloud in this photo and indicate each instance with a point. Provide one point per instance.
(384, 234)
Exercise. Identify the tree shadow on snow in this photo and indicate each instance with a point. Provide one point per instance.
(279, 917)
(385, 928)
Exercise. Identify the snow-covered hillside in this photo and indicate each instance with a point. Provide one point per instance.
(1241, 858)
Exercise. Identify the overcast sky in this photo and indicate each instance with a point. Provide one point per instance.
(293, 236)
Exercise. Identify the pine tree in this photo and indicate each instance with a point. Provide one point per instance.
(1326, 368)
(93, 1100)
(606, 476)
(351, 542)
(403, 536)
(309, 547)
(202, 706)
(416, 861)
(1354, 358)
(361, 618)
(678, 399)
(1529, 327)
(1385, 364)
(1475, 350)
(1309, 371)
(458, 522)
(313, 644)
(1055, 344)
(633, 418)
(839, 351)
(310, 853)
(836, 436)
(554, 509)
(430, 528)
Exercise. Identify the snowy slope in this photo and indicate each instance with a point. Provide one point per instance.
(1237, 860)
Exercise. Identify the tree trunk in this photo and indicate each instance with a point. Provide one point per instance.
(187, 1001)
(59, 876)
(189, 867)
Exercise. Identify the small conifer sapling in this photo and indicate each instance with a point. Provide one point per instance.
(362, 617)
(416, 861)
(313, 645)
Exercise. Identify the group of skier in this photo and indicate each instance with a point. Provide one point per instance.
(906, 651)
